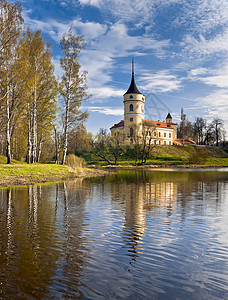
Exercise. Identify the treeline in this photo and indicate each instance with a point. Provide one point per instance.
(201, 131)
(37, 110)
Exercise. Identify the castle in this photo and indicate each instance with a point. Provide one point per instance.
(163, 133)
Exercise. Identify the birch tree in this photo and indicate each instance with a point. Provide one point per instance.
(10, 29)
(41, 90)
(73, 88)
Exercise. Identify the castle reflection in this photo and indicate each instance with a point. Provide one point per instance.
(137, 193)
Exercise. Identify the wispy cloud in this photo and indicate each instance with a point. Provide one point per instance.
(201, 46)
(217, 76)
(216, 104)
(203, 16)
(135, 11)
(161, 81)
(105, 43)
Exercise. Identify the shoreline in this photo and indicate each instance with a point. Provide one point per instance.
(15, 180)
(167, 167)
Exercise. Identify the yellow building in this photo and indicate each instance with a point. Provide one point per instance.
(164, 133)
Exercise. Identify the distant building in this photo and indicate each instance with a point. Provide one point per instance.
(164, 133)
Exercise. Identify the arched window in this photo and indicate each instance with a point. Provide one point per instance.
(131, 97)
(131, 131)
(131, 107)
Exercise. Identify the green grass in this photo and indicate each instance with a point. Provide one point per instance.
(177, 155)
(22, 170)
(22, 173)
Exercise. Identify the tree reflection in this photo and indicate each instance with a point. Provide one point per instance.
(34, 247)
(71, 210)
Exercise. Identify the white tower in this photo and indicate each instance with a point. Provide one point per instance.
(133, 107)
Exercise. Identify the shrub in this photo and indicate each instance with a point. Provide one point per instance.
(75, 162)
(196, 158)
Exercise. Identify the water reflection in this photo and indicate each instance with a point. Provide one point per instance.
(128, 235)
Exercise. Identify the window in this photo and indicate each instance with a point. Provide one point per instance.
(131, 119)
(164, 134)
(170, 143)
(125, 106)
(164, 142)
(131, 107)
(154, 133)
(131, 97)
(159, 142)
(159, 134)
(137, 106)
(169, 135)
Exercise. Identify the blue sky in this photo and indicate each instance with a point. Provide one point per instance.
(180, 49)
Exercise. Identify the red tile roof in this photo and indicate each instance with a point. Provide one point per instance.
(120, 124)
(160, 124)
(185, 142)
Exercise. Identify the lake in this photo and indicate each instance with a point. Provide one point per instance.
(159, 234)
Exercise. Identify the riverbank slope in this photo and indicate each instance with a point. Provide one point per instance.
(176, 156)
(22, 173)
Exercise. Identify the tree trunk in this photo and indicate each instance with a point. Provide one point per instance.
(56, 147)
(65, 137)
(8, 152)
(34, 142)
(28, 157)
(40, 147)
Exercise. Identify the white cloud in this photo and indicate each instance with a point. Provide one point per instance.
(161, 81)
(106, 110)
(212, 76)
(90, 2)
(216, 104)
(203, 47)
(106, 92)
(105, 43)
(203, 15)
(135, 11)
(90, 30)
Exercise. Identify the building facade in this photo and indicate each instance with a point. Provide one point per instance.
(134, 124)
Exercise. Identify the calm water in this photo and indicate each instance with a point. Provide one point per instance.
(133, 235)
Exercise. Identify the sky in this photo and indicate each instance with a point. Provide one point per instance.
(180, 48)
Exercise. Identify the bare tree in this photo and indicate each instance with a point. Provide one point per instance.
(147, 140)
(217, 127)
(73, 88)
(199, 128)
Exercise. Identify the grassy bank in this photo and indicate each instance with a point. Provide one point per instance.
(179, 156)
(21, 173)
(162, 156)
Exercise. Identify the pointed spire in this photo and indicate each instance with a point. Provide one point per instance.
(133, 71)
(132, 88)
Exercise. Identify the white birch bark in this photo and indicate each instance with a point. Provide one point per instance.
(65, 137)
(34, 141)
(40, 148)
(8, 151)
(28, 159)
